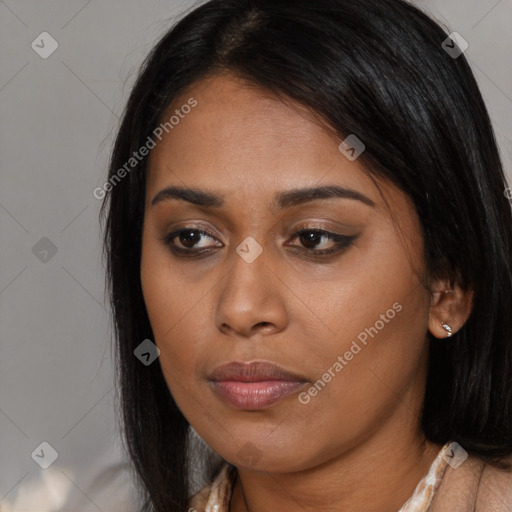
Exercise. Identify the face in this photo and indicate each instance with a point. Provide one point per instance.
(322, 293)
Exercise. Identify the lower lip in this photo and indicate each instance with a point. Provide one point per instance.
(255, 395)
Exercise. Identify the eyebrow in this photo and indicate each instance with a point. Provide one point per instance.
(282, 200)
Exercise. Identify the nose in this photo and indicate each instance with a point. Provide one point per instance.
(251, 300)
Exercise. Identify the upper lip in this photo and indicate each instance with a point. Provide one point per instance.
(255, 371)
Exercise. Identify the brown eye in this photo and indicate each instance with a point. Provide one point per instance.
(186, 240)
(312, 238)
(189, 238)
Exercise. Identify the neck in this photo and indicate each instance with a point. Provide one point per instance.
(383, 470)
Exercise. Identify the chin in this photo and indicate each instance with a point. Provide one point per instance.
(261, 453)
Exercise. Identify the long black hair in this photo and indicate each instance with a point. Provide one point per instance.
(379, 70)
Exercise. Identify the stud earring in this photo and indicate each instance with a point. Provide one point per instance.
(447, 328)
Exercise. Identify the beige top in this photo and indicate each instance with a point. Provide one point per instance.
(454, 483)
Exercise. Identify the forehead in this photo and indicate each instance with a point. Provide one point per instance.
(240, 137)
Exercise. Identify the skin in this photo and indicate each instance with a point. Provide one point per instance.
(356, 444)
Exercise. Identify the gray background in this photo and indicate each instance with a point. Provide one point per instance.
(58, 119)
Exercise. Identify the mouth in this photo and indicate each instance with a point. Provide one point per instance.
(255, 385)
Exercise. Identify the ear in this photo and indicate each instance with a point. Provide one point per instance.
(450, 305)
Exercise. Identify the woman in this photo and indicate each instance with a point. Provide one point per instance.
(308, 249)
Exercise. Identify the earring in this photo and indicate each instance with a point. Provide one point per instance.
(447, 328)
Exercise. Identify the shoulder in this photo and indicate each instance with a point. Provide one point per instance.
(495, 488)
(475, 485)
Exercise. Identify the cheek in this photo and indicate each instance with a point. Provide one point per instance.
(169, 301)
(369, 337)
(170, 309)
(172, 319)
(358, 373)
(372, 297)
(177, 301)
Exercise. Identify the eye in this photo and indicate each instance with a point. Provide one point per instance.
(190, 241)
(185, 241)
(312, 238)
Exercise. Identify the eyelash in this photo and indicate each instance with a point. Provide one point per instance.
(342, 242)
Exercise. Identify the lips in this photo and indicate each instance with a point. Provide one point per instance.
(254, 385)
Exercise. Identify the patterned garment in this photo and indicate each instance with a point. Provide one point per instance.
(427, 486)
(215, 497)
